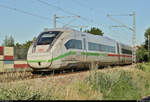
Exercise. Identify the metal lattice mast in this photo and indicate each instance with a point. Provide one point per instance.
(54, 20)
(148, 47)
(65, 25)
(134, 38)
(56, 17)
(133, 29)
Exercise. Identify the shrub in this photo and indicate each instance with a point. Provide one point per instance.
(23, 93)
(144, 67)
(117, 85)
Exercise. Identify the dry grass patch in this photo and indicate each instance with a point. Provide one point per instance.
(120, 83)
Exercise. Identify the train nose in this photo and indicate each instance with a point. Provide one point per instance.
(40, 61)
(39, 64)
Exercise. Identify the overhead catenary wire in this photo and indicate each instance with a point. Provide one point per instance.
(82, 5)
(116, 35)
(65, 11)
(92, 10)
(25, 12)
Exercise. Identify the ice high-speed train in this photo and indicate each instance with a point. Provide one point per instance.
(67, 48)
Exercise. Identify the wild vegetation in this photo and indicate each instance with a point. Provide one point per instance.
(95, 31)
(125, 83)
(142, 51)
(128, 83)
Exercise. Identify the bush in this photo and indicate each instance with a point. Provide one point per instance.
(119, 85)
(143, 66)
(23, 93)
(140, 67)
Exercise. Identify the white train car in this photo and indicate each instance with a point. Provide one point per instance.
(68, 48)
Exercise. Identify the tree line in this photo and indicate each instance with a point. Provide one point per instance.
(10, 42)
(142, 52)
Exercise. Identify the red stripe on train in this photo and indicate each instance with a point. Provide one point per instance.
(119, 55)
(21, 66)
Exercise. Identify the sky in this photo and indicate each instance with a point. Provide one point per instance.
(25, 19)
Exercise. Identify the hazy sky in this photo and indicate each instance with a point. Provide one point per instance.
(24, 27)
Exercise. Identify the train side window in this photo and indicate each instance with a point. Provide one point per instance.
(100, 47)
(125, 51)
(111, 49)
(74, 44)
(93, 46)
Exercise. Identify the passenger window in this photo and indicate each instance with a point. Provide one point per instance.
(74, 44)
(100, 47)
(125, 51)
(93, 46)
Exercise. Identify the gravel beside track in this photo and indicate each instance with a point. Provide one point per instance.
(25, 75)
(17, 76)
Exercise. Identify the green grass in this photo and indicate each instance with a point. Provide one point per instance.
(144, 67)
(23, 93)
(108, 84)
(121, 84)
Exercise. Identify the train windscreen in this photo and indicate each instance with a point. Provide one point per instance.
(47, 37)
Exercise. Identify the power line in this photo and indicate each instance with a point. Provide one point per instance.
(81, 4)
(85, 6)
(63, 10)
(117, 34)
(25, 12)
(133, 29)
(21, 11)
(58, 8)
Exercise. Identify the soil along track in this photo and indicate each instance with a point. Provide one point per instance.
(17, 76)
(14, 76)
(109, 83)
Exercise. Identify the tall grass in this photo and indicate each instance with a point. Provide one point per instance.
(7, 77)
(23, 91)
(106, 84)
(143, 66)
(120, 85)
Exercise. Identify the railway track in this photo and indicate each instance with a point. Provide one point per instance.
(17, 76)
(13, 76)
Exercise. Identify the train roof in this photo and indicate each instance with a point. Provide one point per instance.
(88, 34)
(58, 29)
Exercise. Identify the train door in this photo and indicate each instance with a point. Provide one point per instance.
(118, 52)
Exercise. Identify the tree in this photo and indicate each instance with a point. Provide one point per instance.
(8, 41)
(95, 31)
(142, 51)
(147, 32)
(22, 49)
(142, 54)
(18, 45)
(27, 44)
